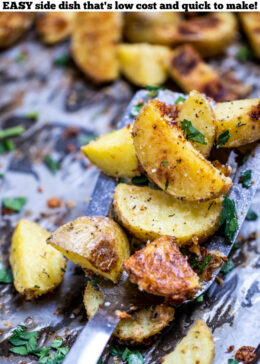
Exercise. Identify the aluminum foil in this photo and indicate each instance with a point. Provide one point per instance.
(62, 97)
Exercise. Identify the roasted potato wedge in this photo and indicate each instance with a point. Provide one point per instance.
(13, 25)
(37, 267)
(143, 323)
(198, 110)
(147, 214)
(114, 153)
(190, 72)
(210, 34)
(95, 39)
(144, 64)
(241, 118)
(161, 269)
(250, 22)
(97, 244)
(171, 161)
(196, 347)
(149, 26)
(54, 27)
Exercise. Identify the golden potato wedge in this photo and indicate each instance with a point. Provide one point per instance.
(13, 25)
(196, 347)
(54, 27)
(210, 34)
(147, 214)
(161, 269)
(94, 44)
(241, 118)
(143, 323)
(149, 26)
(198, 110)
(114, 153)
(250, 22)
(190, 72)
(97, 244)
(144, 64)
(37, 267)
(170, 160)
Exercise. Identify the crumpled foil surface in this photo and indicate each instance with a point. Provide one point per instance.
(63, 98)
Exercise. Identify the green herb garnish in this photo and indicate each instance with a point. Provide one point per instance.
(242, 158)
(56, 343)
(200, 298)
(32, 115)
(192, 133)
(179, 100)
(100, 361)
(153, 91)
(11, 132)
(140, 180)
(6, 275)
(62, 60)
(6, 145)
(21, 57)
(227, 267)
(93, 282)
(251, 215)
(165, 163)
(127, 355)
(136, 109)
(1, 175)
(117, 350)
(228, 218)
(36, 286)
(245, 54)
(235, 246)
(166, 185)
(53, 165)
(204, 263)
(233, 361)
(246, 178)
(223, 139)
(16, 204)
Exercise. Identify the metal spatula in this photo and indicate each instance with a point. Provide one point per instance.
(94, 337)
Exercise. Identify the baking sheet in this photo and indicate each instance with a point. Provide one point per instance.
(63, 98)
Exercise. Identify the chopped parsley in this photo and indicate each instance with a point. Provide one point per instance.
(246, 178)
(6, 275)
(6, 146)
(136, 109)
(223, 139)
(87, 139)
(192, 133)
(11, 132)
(235, 246)
(16, 204)
(233, 361)
(140, 180)
(179, 100)
(227, 267)
(251, 215)
(153, 91)
(122, 180)
(36, 286)
(21, 57)
(93, 282)
(245, 54)
(53, 165)
(127, 355)
(166, 185)
(242, 158)
(228, 218)
(200, 298)
(32, 115)
(62, 60)
(204, 263)
(165, 163)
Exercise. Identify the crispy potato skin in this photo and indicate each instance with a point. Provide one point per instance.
(241, 118)
(144, 64)
(37, 267)
(94, 44)
(196, 347)
(198, 110)
(142, 325)
(161, 269)
(54, 27)
(149, 27)
(157, 141)
(97, 244)
(250, 22)
(13, 25)
(190, 72)
(114, 153)
(148, 214)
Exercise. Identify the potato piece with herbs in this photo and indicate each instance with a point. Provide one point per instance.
(196, 347)
(97, 244)
(148, 214)
(13, 25)
(170, 160)
(250, 22)
(240, 120)
(161, 269)
(37, 267)
(95, 39)
(114, 153)
(144, 64)
(198, 110)
(142, 324)
(54, 27)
